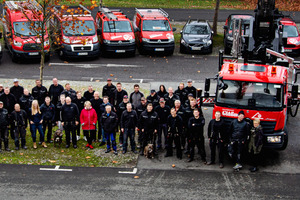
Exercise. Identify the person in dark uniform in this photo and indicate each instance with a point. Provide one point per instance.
(102, 108)
(118, 95)
(175, 126)
(153, 98)
(39, 92)
(89, 94)
(189, 112)
(79, 101)
(1, 89)
(58, 117)
(190, 88)
(196, 138)
(69, 92)
(55, 90)
(4, 124)
(163, 111)
(19, 123)
(96, 103)
(70, 119)
(120, 109)
(182, 93)
(109, 122)
(181, 112)
(26, 101)
(162, 91)
(170, 98)
(148, 125)
(188, 101)
(216, 133)
(17, 90)
(48, 115)
(141, 108)
(108, 90)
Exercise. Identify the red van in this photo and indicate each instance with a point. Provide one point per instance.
(293, 37)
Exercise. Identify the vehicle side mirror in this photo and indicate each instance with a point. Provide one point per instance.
(212, 33)
(99, 30)
(137, 29)
(181, 32)
(174, 29)
(225, 27)
(295, 91)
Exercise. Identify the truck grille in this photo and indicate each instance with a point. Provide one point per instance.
(120, 42)
(83, 48)
(31, 47)
(164, 40)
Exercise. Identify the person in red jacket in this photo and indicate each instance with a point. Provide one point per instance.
(88, 119)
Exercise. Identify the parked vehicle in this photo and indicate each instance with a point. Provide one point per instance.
(228, 37)
(293, 37)
(196, 37)
(76, 34)
(154, 31)
(20, 37)
(116, 32)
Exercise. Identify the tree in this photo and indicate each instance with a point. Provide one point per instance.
(216, 17)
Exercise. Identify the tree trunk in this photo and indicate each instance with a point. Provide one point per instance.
(216, 17)
(42, 65)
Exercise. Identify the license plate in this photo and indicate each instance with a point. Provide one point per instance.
(83, 53)
(288, 50)
(196, 48)
(120, 51)
(159, 49)
(34, 53)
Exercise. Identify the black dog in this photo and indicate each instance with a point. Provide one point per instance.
(58, 137)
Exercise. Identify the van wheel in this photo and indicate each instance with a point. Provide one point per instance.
(141, 51)
(14, 58)
(286, 139)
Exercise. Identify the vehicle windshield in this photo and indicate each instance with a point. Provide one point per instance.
(27, 28)
(250, 94)
(196, 29)
(237, 23)
(291, 31)
(79, 28)
(117, 27)
(156, 25)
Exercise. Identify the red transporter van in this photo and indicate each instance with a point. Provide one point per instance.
(76, 32)
(19, 35)
(293, 37)
(154, 32)
(116, 32)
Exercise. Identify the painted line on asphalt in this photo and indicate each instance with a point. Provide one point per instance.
(56, 169)
(90, 66)
(2, 75)
(142, 79)
(125, 172)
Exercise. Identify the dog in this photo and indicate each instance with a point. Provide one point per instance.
(58, 137)
(149, 151)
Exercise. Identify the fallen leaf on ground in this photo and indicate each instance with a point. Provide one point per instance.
(52, 161)
(115, 161)
(173, 165)
(88, 157)
(136, 177)
(21, 154)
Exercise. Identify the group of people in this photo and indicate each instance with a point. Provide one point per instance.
(167, 119)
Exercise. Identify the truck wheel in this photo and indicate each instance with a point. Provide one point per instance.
(286, 139)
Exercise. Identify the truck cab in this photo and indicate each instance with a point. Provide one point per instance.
(154, 31)
(20, 37)
(116, 32)
(75, 32)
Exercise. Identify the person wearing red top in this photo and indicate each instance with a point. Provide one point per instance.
(88, 119)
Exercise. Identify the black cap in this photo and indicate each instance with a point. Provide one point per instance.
(190, 95)
(152, 91)
(241, 112)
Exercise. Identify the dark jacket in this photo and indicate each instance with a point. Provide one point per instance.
(17, 92)
(96, 105)
(109, 122)
(54, 93)
(162, 113)
(108, 91)
(161, 94)
(196, 127)
(117, 97)
(182, 94)
(170, 100)
(121, 108)
(35, 118)
(48, 112)
(175, 124)
(135, 98)
(153, 99)
(181, 113)
(141, 108)
(69, 113)
(239, 131)
(129, 119)
(216, 129)
(191, 90)
(25, 102)
(58, 109)
(103, 105)
(88, 95)
(69, 93)
(39, 93)
(19, 119)
(80, 103)
(148, 121)
(9, 101)
(4, 122)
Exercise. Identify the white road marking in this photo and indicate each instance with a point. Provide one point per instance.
(142, 79)
(56, 169)
(2, 75)
(90, 66)
(133, 172)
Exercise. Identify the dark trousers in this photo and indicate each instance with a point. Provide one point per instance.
(162, 129)
(70, 128)
(89, 134)
(213, 144)
(4, 136)
(183, 138)
(33, 128)
(199, 142)
(121, 136)
(255, 159)
(237, 149)
(99, 129)
(148, 137)
(47, 124)
(129, 132)
(111, 137)
(176, 138)
(19, 132)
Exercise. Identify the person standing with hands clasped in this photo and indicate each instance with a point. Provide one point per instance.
(255, 143)
(215, 134)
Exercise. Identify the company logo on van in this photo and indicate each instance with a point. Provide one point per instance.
(157, 35)
(229, 113)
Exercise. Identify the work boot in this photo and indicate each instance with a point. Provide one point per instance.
(24, 147)
(34, 145)
(101, 144)
(7, 149)
(115, 152)
(107, 150)
(67, 146)
(221, 165)
(254, 169)
(75, 146)
(190, 159)
(44, 145)
(17, 148)
(211, 163)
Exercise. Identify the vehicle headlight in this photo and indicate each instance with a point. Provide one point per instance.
(274, 139)
(132, 40)
(146, 40)
(182, 41)
(171, 40)
(46, 43)
(106, 41)
(229, 38)
(298, 43)
(95, 39)
(66, 39)
(18, 44)
(209, 42)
